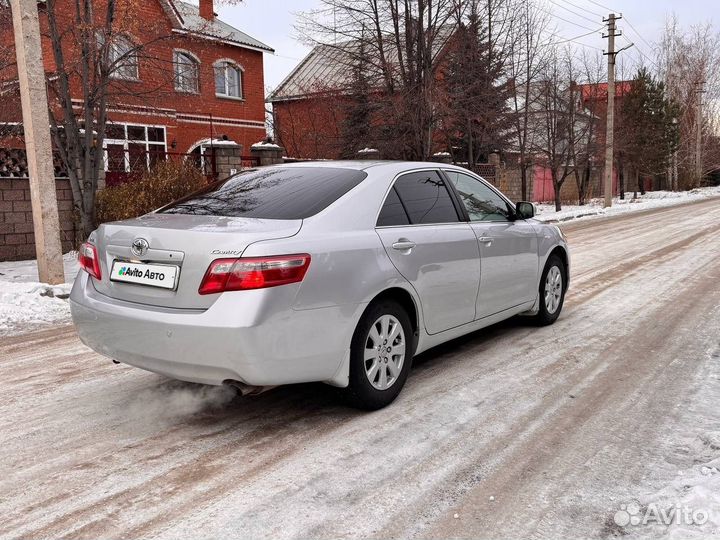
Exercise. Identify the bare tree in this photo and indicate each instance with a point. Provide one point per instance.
(587, 149)
(402, 44)
(8, 90)
(562, 126)
(689, 65)
(96, 62)
(528, 54)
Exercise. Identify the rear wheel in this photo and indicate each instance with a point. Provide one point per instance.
(380, 355)
(552, 291)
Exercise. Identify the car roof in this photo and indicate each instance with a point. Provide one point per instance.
(362, 165)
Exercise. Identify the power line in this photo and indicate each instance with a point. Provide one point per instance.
(585, 27)
(572, 11)
(598, 4)
(573, 39)
(639, 50)
(580, 36)
(287, 57)
(639, 34)
(578, 6)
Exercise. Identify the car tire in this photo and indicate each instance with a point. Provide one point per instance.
(553, 284)
(381, 354)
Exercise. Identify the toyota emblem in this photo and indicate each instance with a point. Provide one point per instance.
(139, 247)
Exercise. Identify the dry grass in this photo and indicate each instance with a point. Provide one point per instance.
(166, 182)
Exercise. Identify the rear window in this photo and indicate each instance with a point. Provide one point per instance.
(272, 193)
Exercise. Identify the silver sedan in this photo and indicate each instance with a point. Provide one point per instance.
(338, 272)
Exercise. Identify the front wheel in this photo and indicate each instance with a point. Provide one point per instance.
(380, 356)
(552, 291)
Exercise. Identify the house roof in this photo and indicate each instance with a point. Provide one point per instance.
(330, 67)
(326, 66)
(599, 91)
(188, 16)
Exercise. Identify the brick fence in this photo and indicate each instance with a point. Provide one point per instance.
(17, 240)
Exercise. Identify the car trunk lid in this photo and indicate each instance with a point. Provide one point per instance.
(188, 242)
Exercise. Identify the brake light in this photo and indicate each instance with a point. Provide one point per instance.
(253, 273)
(89, 260)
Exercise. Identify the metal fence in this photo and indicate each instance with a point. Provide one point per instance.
(128, 165)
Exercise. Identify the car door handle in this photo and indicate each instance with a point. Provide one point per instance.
(403, 244)
(485, 240)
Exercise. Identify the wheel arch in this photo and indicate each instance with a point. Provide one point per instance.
(406, 300)
(397, 294)
(562, 254)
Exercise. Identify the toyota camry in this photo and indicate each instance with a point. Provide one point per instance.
(337, 272)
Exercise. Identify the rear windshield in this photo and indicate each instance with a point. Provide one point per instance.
(272, 193)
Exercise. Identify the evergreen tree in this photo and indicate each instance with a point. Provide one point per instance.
(476, 116)
(649, 135)
(356, 130)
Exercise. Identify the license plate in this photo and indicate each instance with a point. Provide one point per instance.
(153, 275)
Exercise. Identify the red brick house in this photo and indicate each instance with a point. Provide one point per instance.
(198, 79)
(308, 105)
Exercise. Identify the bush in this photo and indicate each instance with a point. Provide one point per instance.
(166, 182)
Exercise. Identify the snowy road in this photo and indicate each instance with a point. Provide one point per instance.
(513, 431)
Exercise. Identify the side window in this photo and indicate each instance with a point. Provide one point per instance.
(425, 198)
(392, 212)
(481, 202)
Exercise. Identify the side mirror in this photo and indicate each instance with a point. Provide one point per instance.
(524, 210)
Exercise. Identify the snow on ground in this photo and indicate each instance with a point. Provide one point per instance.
(26, 304)
(688, 504)
(651, 199)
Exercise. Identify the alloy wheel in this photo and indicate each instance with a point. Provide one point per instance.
(553, 289)
(384, 353)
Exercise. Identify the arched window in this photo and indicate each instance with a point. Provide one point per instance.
(228, 79)
(187, 72)
(122, 56)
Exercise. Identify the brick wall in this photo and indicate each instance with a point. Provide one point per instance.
(509, 181)
(17, 240)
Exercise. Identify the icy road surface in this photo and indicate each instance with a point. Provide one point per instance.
(513, 431)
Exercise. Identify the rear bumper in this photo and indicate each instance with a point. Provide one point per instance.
(249, 336)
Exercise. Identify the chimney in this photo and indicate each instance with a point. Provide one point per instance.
(207, 10)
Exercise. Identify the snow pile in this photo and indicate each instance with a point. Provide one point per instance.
(266, 144)
(26, 304)
(651, 199)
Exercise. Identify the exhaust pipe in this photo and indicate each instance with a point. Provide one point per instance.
(248, 389)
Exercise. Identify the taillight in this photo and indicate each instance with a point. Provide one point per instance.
(253, 273)
(89, 260)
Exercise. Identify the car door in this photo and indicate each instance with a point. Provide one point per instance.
(420, 227)
(508, 246)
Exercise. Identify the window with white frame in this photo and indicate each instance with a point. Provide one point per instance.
(133, 148)
(228, 79)
(187, 72)
(122, 58)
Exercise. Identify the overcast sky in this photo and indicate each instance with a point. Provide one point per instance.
(272, 21)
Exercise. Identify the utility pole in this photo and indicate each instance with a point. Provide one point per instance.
(36, 124)
(609, 136)
(698, 133)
